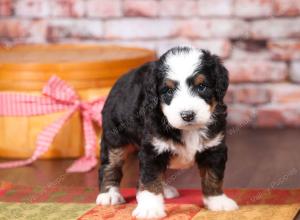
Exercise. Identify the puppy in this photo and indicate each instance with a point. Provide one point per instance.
(172, 111)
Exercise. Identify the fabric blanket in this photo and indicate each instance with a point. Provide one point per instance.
(54, 202)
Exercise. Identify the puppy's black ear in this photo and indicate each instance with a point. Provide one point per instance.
(213, 64)
(222, 79)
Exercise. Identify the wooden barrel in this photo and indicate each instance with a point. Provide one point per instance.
(90, 69)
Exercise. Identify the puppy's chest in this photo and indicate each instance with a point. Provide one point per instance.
(183, 155)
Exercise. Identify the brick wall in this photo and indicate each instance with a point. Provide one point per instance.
(258, 39)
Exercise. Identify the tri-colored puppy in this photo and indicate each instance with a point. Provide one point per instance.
(172, 111)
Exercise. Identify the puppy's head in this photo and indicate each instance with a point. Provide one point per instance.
(191, 83)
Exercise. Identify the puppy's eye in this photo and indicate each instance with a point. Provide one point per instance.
(167, 91)
(201, 88)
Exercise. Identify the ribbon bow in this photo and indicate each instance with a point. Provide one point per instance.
(58, 96)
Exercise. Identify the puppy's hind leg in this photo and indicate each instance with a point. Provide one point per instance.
(110, 175)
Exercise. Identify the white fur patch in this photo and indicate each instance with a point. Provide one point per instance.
(183, 64)
(193, 142)
(170, 191)
(184, 155)
(112, 197)
(181, 67)
(214, 141)
(161, 145)
(149, 205)
(220, 203)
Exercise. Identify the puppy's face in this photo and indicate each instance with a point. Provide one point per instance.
(189, 89)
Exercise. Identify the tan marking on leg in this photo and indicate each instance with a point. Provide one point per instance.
(155, 186)
(113, 171)
(211, 184)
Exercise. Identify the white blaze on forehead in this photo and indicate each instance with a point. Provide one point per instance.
(183, 64)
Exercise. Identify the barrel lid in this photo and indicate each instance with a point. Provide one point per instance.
(83, 65)
(68, 54)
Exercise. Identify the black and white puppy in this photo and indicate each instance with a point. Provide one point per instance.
(172, 111)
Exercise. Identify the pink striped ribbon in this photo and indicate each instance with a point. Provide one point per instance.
(58, 96)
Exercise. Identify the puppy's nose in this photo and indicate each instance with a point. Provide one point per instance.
(187, 115)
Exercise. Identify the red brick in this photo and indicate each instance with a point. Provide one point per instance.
(104, 8)
(178, 8)
(149, 44)
(5, 7)
(32, 8)
(274, 115)
(253, 8)
(256, 71)
(275, 28)
(286, 7)
(229, 97)
(13, 28)
(139, 28)
(148, 8)
(244, 54)
(251, 94)
(164, 45)
(284, 93)
(219, 47)
(37, 31)
(295, 72)
(67, 8)
(285, 49)
(215, 8)
(241, 115)
(67, 28)
(214, 28)
(23, 31)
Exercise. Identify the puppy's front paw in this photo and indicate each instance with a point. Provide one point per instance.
(112, 197)
(149, 206)
(220, 203)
